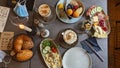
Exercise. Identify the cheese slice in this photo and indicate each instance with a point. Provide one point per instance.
(95, 19)
(99, 32)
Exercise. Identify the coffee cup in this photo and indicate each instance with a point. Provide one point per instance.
(44, 10)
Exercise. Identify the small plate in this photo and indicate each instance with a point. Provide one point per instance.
(76, 57)
(66, 19)
(62, 42)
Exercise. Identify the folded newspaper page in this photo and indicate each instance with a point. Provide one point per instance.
(4, 12)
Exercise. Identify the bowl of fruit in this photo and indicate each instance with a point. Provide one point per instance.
(74, 8)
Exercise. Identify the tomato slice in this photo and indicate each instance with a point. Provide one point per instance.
(54, 50)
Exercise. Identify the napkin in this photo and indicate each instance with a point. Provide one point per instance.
(2, 55)
(93, 43)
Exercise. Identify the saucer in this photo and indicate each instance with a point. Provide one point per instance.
(45, 20)
(61, 41)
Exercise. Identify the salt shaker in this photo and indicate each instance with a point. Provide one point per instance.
(41, 25)
(45, 33)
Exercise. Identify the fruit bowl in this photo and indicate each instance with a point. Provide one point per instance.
(62, 15)
(74, 8)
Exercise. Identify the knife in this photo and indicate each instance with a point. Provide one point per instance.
(92, 43)
(99, 57)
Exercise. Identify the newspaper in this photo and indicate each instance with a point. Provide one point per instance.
(4, 12)
(6, 40)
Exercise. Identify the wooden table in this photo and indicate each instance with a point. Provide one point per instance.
(54, 27)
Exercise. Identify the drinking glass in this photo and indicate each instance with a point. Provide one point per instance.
(7, 60)
(19, 20)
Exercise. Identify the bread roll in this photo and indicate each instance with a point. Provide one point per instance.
(24, 55)
(18, 43)
(23, 42)
(27, 43)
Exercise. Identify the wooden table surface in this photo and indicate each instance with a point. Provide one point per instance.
(55, 26)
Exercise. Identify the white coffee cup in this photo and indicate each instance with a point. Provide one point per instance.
(44, 10)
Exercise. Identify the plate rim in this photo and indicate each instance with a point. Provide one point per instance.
(90, 58)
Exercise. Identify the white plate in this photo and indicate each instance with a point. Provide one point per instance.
(67, 20)
(76, 57)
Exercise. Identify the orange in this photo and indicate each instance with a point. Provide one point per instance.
(76, 14)
(60, 6)
(69, 11)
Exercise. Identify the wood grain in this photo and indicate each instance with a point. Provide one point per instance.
(3, 2)
(114, 37)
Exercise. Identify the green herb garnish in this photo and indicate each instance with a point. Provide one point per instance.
(46, 43)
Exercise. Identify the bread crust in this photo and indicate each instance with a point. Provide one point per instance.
(23, 42)
(24, 55)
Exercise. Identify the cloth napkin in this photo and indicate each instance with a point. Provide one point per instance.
(2, 55)
(93, 43)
